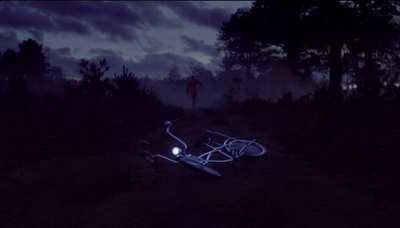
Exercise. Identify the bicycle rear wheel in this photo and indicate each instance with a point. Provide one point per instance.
(197, 166)
(253, 149)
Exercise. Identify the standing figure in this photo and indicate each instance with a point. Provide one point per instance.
(193, 90)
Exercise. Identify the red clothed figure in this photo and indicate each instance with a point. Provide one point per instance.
(193, 90)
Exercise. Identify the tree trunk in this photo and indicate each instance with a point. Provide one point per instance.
(371, 79)
(292, 56)
(335, 75)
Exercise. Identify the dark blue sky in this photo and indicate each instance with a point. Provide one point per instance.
(148, 37)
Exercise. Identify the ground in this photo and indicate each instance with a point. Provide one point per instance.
(120, 189)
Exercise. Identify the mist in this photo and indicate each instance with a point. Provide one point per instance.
(279, 81)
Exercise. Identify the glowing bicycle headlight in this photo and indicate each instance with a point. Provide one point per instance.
(176, 151)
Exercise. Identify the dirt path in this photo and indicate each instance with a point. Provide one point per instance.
(277, 190)
(298, 193)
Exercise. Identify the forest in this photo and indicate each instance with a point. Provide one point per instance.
(343, 56)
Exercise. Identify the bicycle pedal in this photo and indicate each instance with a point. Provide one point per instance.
(144, 144)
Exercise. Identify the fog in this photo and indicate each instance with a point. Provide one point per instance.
(278, 81)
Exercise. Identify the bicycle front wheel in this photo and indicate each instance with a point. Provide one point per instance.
(253, 149)
(199, 167)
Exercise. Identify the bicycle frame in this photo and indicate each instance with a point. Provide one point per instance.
(228, 151)
(169, 125)
(206, 157)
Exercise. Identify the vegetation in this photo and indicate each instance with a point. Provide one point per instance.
(95, 118)
(357, 40)
(356, 128)
(99, 114)
(354, 38)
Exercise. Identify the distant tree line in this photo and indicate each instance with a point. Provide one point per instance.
(22, 69)
(358, 39)
(28, 64)
(124, 89)
(29, 61)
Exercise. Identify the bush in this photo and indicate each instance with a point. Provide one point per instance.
(128, 91)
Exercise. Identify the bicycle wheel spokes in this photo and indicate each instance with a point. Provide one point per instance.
(246, 147)
(216, 156)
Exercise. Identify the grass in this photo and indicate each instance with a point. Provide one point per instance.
(41, 129)
(85, 150)
(351, 137)
(100, 177)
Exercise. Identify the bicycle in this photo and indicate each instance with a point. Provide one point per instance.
(229, 151)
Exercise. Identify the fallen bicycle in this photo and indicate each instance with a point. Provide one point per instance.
(229, 151)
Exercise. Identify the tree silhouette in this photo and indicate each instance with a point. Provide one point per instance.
(8, 67)
(29, 62)
(327, 29)
(238, 41)
(93, 86)
(32, 60)
(313, 35)
(200, 72)
(373, 50)
(56, 73)
(19, 87)
(174, 73)
(127, 89)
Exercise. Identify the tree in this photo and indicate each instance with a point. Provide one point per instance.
(19, 87)
(8, 63)
(200, 72)
(56, 73)
(174, 73)
(29, 61)
(32, 60)
(329, 27)
(8, 68)
(313, 34)
(94, 87)
(237, 42)
(127, 89)
(374, 49)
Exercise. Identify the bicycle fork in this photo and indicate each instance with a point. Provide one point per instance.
(144, 152)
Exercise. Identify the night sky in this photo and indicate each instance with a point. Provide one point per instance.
(148, 37)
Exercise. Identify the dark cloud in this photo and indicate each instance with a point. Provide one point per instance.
(63, 51)
(115, 21)
(71, 25)
(8, 40)
(36, 34)
(14, 15)
(192, 45)
(105, 52)
(60, 57)
(118, 20)
(159, 65)
(69, 9)
(111, 18)
(202, 16)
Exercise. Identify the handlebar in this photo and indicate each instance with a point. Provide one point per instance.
(168, 124)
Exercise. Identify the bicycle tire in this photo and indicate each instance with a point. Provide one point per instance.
(255, 149)
(199, 167)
